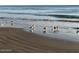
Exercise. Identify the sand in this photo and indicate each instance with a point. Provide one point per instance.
(15, 40)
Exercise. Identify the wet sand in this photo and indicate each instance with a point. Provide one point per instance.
(18, 41)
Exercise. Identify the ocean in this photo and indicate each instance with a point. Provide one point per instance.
(57, 21)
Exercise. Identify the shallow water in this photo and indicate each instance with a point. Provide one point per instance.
(65, 29)
(65, 32)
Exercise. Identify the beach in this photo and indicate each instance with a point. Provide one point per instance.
(39, 29)
(18, 41)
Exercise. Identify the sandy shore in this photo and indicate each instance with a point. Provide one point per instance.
(17, 40)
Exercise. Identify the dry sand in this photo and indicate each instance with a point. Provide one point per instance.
(17, 40)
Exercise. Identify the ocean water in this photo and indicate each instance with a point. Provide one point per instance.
(65, 17)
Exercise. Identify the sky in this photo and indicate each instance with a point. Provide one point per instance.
(39, 2)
